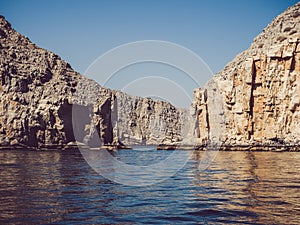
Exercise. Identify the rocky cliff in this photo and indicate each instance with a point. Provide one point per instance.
(259, 89)
(45, 103)
(253, 103)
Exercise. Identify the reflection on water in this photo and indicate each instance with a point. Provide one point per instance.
(258, 187)
(60, 187)
(136, 169)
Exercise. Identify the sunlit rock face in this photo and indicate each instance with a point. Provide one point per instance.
(254, 101)
(45, 103)
(260, 90)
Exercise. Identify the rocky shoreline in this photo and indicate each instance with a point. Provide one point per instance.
(262, 148)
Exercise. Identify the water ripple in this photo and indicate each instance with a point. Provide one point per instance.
(237, 188)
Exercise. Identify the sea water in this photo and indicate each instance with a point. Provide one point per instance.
(59, 187)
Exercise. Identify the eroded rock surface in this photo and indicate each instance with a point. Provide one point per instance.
(260, 90)
(43, 101)
(254, 101)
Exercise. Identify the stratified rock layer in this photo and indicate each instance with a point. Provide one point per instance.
(260, 90)
(45, 103)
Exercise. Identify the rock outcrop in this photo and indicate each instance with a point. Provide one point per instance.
(254, 103)
(260, 89)
(44, 103)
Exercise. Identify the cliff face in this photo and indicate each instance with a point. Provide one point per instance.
(144, 121)
(260, 89)
(117, 118)
(43, 101)
(254, 101)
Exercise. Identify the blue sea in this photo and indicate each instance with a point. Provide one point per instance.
(60, 187)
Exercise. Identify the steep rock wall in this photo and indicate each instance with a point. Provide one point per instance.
(43, 101)
(260, 90)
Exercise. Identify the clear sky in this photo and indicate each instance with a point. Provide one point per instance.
(81, 31)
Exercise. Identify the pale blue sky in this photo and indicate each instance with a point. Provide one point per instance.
(81, 31)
